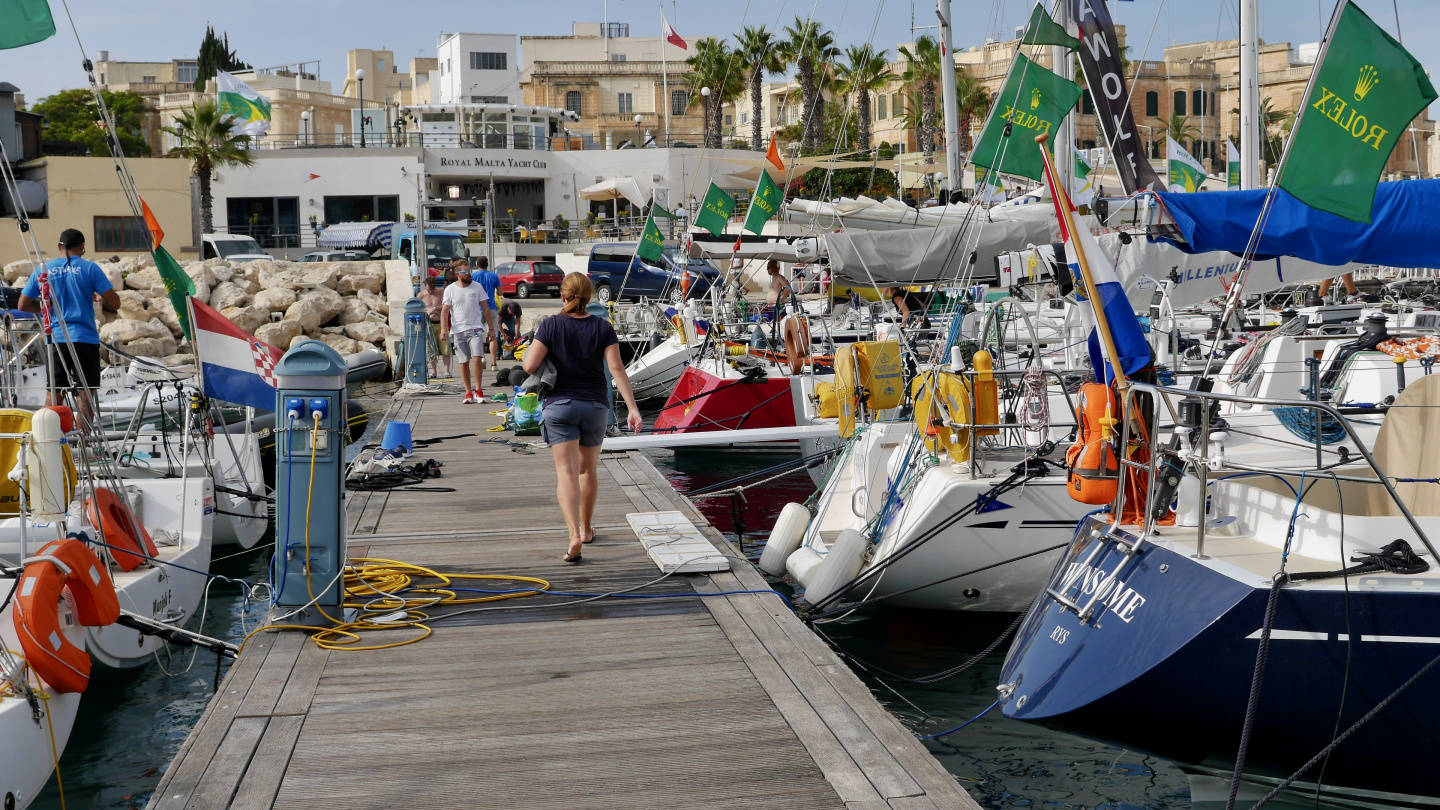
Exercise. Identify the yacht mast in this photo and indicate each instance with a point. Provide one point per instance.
(1249, 87)
(1064, 143)
(949, 135)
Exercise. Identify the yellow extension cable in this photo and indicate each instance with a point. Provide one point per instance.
(377, 581)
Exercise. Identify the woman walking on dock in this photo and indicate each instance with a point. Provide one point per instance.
(580, 346)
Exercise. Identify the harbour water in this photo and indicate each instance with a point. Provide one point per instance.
(132, 723)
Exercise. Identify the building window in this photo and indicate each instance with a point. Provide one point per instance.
(487, 60)
(147, 79)
(121, 233)
(489, 99)
(729, 120)
(897, 103)
(880, 107)
(625, 102)
(1152, 104)
(380, 65)
(1087, 103)
(1179, 103)
(679, 100)
(185, 72)
(617, 57)
(614, 30)
(1200, 102)
(572, 101)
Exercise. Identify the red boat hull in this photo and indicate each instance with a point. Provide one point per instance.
(734, 405)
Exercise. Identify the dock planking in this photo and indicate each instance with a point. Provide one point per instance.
(721, 702)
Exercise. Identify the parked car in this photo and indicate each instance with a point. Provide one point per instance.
(524, 279)
(609, 262)
(231, 247)
(336, 256)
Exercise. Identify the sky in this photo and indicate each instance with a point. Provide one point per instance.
(267, 32)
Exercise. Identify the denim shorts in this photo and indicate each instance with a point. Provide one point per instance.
(569, 419)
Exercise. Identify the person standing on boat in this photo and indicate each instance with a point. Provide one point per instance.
(431, 295)
(580, 346)
(74, 283)
(465, 314)
(779, 288)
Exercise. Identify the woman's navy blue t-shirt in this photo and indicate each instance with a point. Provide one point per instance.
(577, 348)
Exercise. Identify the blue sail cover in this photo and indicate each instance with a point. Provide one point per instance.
(1403, 231)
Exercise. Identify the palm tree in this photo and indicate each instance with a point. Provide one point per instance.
(922, 69)
(973, 100)
(205, 139)
(758, 52)
(1180, 128)
(863, 72)
(716, 67)
(810, 48)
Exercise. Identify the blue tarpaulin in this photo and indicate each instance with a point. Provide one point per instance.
(1404, 230)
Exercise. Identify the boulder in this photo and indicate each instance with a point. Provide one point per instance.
(202, 272)
(341, 344)
(181, 359)
(276, 300)
(279, 333)
(132, 299)
(376, 269)
(306, 313)
(221, 270)
(14, 271)
(349, 285)
(374, 301)
(247, 318)
(343, 269)
(274, 280)
(355, 312)
(318, 277)
(227, 294)
(111, 271)
(368, 331)
(162, 310)
(329, 302)
(250, 287)
(133, 313)
(151, 346)
(142, 279)
(124, 330)
(258, 266)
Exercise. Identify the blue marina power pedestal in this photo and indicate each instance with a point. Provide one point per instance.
(417, 333)
(309, 485)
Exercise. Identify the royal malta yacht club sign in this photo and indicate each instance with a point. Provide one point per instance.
(482, 163)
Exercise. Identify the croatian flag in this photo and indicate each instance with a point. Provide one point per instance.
(1125, 331)
(234, 367)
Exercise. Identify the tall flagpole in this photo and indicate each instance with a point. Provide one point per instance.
(665, 71)
(948, 98)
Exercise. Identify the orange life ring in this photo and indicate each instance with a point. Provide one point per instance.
(120, 528)
(62, 565)
(797, 342)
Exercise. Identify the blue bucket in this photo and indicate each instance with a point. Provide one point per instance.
(397, 437)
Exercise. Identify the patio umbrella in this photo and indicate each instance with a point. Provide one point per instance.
(614, 189)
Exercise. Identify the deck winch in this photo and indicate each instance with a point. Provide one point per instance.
(310, 485)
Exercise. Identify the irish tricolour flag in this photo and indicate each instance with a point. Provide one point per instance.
(1186, 173)
(249, 111)
(234, 367)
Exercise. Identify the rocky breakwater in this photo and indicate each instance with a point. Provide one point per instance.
(279, 302)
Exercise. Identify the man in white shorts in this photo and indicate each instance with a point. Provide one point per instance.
(465, 316)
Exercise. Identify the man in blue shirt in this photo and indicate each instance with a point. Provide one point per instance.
(74, 283)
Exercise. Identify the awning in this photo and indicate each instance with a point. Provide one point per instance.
(616, 188)
(931, 254)
(345, 235)
(1402, 231)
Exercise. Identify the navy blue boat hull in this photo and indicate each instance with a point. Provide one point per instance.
(1174, 678)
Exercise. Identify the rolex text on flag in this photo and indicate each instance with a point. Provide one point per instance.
(1031, 103)
(763, 204)
(716, 210)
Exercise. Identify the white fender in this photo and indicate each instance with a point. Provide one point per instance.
(784, 538)
(46, 467)
(842, 562)
(802, 565)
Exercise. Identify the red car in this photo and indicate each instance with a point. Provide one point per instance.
(524, 279)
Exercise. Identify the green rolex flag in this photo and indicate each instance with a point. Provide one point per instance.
(652, 242)
(1042, 30)
(177, 285)
(1033, 101)
(716, 211)
(764, 204)
(1366, 91)
(1232, 166)
(25, 22)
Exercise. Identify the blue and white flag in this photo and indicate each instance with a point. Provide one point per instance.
(234, 367)
(1125, 329)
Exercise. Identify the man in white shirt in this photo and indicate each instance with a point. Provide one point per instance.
(465, 315)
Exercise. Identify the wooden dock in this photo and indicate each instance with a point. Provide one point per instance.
(717, 702)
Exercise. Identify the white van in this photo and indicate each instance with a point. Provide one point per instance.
(231, 248)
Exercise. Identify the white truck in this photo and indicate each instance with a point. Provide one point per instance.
(231, 247)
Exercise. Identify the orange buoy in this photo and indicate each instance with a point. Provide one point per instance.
(67, 416)
(58, 566)
(132, 543)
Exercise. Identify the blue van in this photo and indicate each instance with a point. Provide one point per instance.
(610, 260)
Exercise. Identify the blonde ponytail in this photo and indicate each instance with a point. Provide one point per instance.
(577, 288)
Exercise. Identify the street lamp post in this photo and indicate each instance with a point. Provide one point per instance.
(639, 139)
(360, 80)
(705, 93)
(305, 126)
